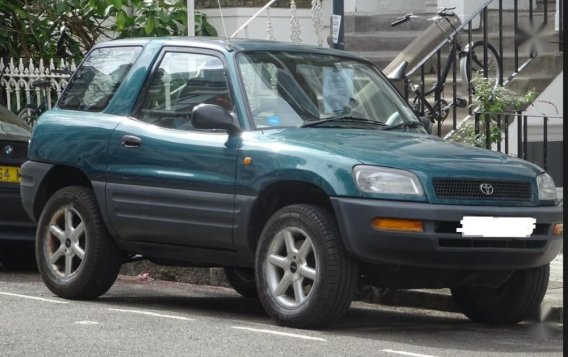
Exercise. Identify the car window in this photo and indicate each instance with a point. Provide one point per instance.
(290, 89)
(98, 78)
(182, 81)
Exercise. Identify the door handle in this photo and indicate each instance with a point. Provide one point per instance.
(131, 141)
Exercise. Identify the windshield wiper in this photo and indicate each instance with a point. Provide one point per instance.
(347, 118)
(405, 125)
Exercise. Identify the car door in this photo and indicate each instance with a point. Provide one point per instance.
(168, 182)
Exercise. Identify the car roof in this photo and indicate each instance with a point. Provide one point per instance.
(224, 45)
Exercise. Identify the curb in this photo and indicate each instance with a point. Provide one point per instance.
(434, 299)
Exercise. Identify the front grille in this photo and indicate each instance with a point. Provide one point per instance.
(471, 189)
(491, 243)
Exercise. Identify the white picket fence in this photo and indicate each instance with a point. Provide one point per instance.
(18, 75)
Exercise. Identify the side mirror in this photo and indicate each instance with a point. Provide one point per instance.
(211, 116)
(427, 124)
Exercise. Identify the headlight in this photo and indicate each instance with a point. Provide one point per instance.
(374, 179)
(546, 187)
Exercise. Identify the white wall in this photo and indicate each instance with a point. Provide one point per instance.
(379, 7)
(257, 29)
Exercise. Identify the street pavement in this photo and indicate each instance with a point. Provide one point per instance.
(441, 299)
(156, 318)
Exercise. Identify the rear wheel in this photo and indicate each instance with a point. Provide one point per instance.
(514, 301)
(473, 63)
(77, 258)
(242, 280)
(304, 276)
(28, 114)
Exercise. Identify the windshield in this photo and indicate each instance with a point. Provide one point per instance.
(286, 89)
(12, 128)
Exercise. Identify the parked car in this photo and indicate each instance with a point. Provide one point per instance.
(17, 231)
(299, 169)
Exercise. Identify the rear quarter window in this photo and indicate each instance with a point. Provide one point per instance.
(98, 78)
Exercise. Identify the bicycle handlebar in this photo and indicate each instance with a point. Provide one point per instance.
(402, 19)
(446, 11)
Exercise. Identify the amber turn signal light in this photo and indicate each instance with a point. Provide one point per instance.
(558, 229)
(397, 224)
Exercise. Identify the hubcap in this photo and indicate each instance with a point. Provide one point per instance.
(291, 267)
(65, 242)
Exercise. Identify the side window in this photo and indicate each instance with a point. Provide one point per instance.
(182, 81)
(98, 78)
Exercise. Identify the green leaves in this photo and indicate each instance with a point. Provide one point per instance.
(491, 100)
(30, 28)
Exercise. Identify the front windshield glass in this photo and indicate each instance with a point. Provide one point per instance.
(286, 89)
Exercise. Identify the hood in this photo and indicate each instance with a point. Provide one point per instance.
(427, 154)
(11, 127)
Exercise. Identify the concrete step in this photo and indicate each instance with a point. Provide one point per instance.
(523, 19)
(379, 40)
(373, 23)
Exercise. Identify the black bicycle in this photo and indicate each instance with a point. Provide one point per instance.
(431, 103)
(31, 111)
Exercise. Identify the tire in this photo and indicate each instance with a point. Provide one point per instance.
(18, 258)
(476, 65)
(242, 280)
(516, 300)
(77, 258)
(304, 276)
(28, 114)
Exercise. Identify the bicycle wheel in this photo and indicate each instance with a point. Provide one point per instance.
(28, 114)
(439, 113)
(475, 66)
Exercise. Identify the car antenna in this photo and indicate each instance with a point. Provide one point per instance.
(223, 20)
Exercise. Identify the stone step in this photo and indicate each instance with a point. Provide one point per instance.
(397, 41)
(523, 19)
(373, 23)
(382, 58)
(379, 40)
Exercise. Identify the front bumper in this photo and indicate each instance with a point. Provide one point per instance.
(440, 246)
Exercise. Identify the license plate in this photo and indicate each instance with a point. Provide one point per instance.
(497, 227)
(9, 174)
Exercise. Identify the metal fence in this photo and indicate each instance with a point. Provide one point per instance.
(535, 138)
(17, 87)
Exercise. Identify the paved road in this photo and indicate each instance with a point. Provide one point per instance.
(156, 318)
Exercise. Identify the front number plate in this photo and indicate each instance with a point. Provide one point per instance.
(497, 227)
(9, 174)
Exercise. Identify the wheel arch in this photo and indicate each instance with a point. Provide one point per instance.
(278, 195)
(58, 177)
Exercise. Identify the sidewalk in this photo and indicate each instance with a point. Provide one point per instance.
(441, 299)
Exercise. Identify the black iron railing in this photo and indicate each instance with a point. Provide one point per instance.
(535, 138)
(492, 26)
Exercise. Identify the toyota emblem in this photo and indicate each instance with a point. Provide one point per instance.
(8, 150)
(486, 189)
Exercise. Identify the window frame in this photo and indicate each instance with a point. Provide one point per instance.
(119, 83)
(144, 92)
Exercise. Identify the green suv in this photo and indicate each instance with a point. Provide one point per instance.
(298, 169)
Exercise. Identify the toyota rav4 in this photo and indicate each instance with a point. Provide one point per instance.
(298, 169)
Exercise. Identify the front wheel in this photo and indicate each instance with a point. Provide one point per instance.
(77, 258)
(514, 301)
(304, 276)
(472, 63)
